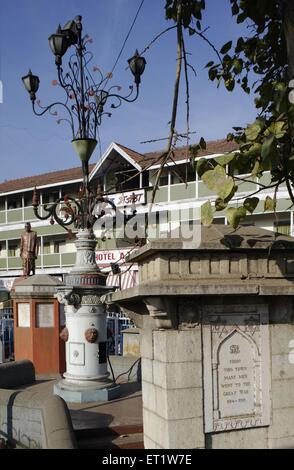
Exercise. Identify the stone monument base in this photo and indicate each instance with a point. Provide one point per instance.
(72, 393)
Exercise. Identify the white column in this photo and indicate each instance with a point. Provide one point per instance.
(41, 203)
(42, 251)
(197, 188)
(6, 255)
(169, 184)
(6, 210)
(22, 206)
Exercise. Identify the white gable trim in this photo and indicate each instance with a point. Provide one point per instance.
(179, 162)
(118, 149)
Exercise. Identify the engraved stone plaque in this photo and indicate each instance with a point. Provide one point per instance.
(45, 315)
(23, 315)
(236, 367)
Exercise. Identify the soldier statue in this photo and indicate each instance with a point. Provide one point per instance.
(28, 250)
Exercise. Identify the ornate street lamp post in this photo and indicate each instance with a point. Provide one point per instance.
(84, 106)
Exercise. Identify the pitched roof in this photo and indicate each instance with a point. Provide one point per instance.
(42, 180)
(136, 156)
(143, 160)
(212, 147)
(152, 158)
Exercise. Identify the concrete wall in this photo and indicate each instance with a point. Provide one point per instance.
(14, 374)
(34, 420)
(131, 342)
(173, 385)
(172, 388)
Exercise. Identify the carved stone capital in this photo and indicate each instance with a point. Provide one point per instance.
(162, 309)
(91, 299)
(68, 297)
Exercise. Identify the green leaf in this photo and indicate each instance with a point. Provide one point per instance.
(220, 204)
(270, 204)
(202, 166)
(207, 213)
(209, 64)
(218, 181)
(267, 146)
(225, 190)
(226, 47)
(202, 143)
(269, 153)
(238, 65)
(242, 17)
(277, 128)
(235, 215)
(250, 204)
(212, 73)
(240, 45)
(253, 151)
(232, 194)
(235, 9)
(230, 84)
(225, 159)
(253, 131)
(256, 169)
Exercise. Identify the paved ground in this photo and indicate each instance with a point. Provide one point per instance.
(114, 424)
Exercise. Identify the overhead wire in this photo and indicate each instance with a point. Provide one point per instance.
(124, 43)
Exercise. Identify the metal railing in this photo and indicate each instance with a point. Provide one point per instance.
(116, 322)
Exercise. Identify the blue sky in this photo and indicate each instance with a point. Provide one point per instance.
(31, 145)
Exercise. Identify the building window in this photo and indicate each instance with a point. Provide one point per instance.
(28, 200)
(12, 250)
(163, 180)
(47, 198)
(59, 246)
(282, 227)
(12, 205)
(182, 174)
(46, 248)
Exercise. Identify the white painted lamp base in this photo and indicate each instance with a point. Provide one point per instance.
(72, 393)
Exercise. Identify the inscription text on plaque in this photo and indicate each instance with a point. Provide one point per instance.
(236, 367)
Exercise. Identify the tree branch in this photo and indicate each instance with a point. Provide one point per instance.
(167, 152)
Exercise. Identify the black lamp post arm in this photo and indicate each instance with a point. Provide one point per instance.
(70, 212)
(75, 110)
(124, 98)
(49, 108)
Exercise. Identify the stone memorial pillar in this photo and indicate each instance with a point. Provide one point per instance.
(217, 325)
(86, 378)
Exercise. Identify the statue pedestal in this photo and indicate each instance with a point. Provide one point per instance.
(86, 378)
